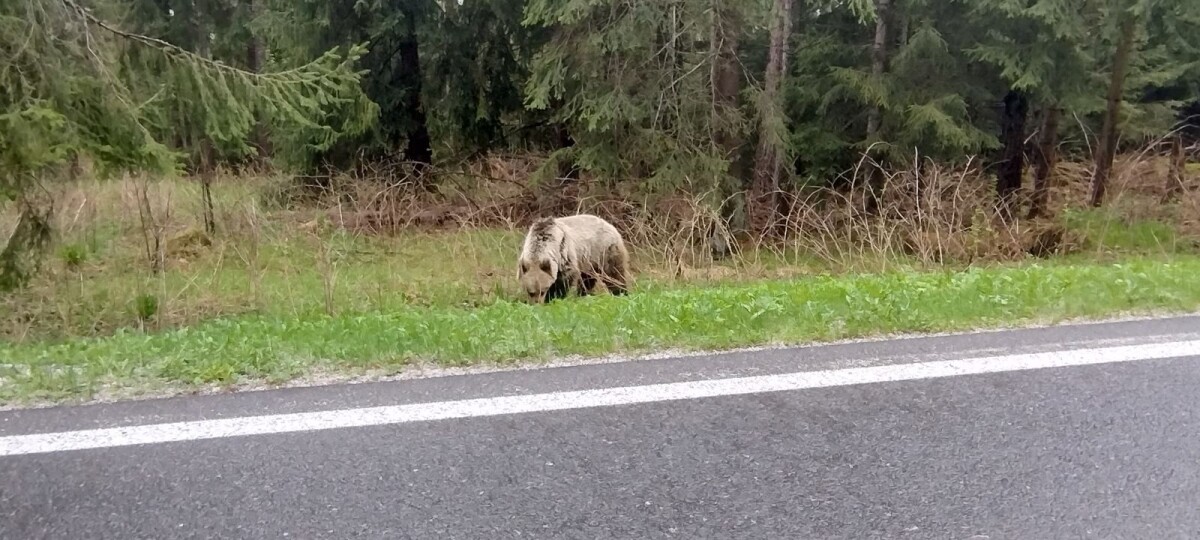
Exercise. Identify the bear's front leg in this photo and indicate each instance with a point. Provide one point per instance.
(587, 284)
(559, 289)
(575, 281)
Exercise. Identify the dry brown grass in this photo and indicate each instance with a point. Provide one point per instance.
(377, 241)
(934, 216)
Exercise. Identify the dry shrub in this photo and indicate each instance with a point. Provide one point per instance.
(935, 214)
(496, 193)
(272, 228)
(674, 231)
(930, 213)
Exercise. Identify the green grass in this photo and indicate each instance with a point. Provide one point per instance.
(281, 294)
(1106, 229)
(279, 347)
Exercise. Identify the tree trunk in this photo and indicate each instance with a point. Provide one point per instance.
(207, 171)
(568, 170)
(255, 62)
(201, 146)
(674, 62)
(1108, 133)
(726, 75)
(1012, 164)
(726, 83)
(419, 149)
(206, 153)
(1045, 160)
(22, 254)
(879, 58)
(762, 206)
(1175, 174)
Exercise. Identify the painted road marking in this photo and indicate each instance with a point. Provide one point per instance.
(557, 401)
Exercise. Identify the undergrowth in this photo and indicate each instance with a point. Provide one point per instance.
(375, 244)
(369, 272)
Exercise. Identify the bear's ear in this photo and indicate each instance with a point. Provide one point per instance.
(546, 266)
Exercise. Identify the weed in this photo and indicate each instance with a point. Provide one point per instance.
(73, 255)
(145, 307)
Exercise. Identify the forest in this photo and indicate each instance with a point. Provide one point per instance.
(241, 167)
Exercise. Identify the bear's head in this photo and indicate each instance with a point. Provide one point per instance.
(536, 278)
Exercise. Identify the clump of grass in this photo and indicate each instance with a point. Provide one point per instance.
(145, 307)
(73, 255)
(278, 348)
(1107, 230)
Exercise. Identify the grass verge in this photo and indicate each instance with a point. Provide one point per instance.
(276, 348)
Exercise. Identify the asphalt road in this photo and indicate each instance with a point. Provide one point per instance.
(1096, 450)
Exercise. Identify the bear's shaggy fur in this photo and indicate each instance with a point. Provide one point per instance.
(572, 252)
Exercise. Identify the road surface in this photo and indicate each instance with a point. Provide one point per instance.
(1089, 431)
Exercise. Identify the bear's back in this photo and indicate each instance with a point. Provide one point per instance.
(590, 230)
(589, 237)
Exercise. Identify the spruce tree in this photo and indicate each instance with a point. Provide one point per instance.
(826, 92)
(632, 82)
(393, 80)
(1128, 17)
(880, 50)
(915, 98)
(1037, 50)
(762, 204)
(64, 92)
(1149, 52)
(477, 63)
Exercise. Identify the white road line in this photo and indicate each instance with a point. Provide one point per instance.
(558, 401)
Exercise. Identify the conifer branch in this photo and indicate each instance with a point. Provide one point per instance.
(179, 52)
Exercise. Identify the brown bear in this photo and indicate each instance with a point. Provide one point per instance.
(572, 252)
